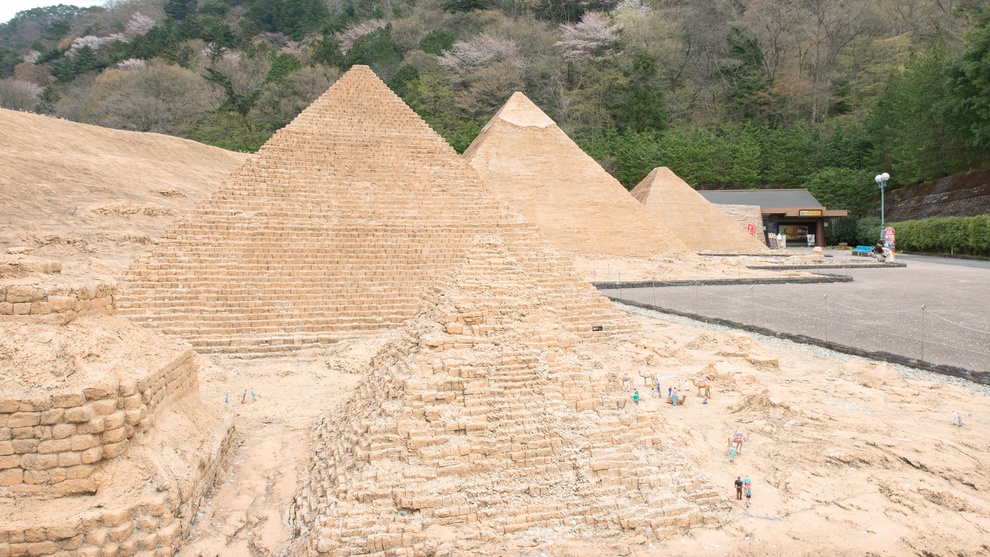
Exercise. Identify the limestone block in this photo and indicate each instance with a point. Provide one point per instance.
(13, 476)
(133, 417)
(168, 535)
(24, 419)
(79, 472)
(36, 477)
(127, 548)
(6, 448)
(60, 304)
(63, 431)
(128, 387)
(58, 475)
(10, 461)
(24, 446)
(52, 417)
(114, 450)
(114, 435)
(132, 402)
(91, 455)
(92, 427)
(115, 420)
(39, 461)
(80, 414)
(22, 433)
(96, 536)
(34, 405)
(105, 406)
(73, 543)
(68, 459)
(24, 293)
(81, 442)
(68, 400)
(55, 446)
(46, 547)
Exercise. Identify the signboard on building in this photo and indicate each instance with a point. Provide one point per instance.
(809, 213)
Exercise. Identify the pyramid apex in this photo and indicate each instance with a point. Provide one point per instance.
(521, 111)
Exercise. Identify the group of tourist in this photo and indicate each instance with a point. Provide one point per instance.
(744, 485)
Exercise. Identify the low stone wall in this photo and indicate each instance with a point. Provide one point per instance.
(151, 522)
(36, 299)
(61, 438)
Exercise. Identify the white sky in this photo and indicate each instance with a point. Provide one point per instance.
(9, 8)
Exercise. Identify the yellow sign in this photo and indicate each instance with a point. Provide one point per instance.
(810, 213)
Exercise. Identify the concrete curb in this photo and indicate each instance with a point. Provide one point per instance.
(981, 377)
(818, 279)
(820, 267)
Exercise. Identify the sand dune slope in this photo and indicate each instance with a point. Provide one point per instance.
(72, 189)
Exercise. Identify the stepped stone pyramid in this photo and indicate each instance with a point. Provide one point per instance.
(106, 447)
(696, 221)
(482, 418)
(332, 230)
(542, 173)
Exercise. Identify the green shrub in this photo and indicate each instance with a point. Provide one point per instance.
(947, 235)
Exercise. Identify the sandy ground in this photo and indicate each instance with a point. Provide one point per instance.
(846, 457)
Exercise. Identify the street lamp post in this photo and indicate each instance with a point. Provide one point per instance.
(882, 182)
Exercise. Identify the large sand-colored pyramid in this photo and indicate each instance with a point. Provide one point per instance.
(481, 415)
(542, 173)
(695, 220)
(333, 230)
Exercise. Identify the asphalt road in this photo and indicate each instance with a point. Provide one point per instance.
(936, 309)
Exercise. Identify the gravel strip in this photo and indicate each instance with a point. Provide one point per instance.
(908, 372)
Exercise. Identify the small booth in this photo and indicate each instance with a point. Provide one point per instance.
(795, 214)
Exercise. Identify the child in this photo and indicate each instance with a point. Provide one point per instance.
(748, 487)
(636, 397)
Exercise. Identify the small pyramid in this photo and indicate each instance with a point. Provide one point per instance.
(331, 231)
(542, 173)
(482, 415)
(105, 440)
(696, 221)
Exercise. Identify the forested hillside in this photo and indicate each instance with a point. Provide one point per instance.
(822, 94)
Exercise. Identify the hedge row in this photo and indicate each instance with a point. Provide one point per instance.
(956, 235)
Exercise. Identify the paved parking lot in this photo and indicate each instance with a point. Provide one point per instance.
(935, 309)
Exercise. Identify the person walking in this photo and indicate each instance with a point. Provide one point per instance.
(636, 397)
(739, 488)
(748, 488)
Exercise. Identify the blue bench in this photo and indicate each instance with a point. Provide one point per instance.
(863, 250)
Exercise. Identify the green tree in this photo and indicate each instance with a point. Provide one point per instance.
(283, 64)
(910, 126)
(844, 188)
(749, 94)
(179, 9)
(326, 51)
(238, 102)
(642, 106)
(295, 18)
(465, 5)
(437, 41)
(377, 50)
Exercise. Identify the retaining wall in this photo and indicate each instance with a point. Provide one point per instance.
(63, 437)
